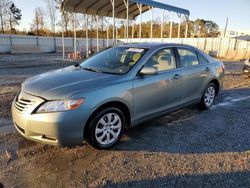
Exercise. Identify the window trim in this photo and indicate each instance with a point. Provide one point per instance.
(199, 54)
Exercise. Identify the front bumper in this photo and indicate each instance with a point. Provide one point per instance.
(57, 128)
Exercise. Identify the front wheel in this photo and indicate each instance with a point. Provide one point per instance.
(208, 97)
(106, 128)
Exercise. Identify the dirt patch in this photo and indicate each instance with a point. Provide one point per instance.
(14, 69)
(7, 94)
(234, 78)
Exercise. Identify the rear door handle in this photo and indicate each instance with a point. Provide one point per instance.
(207, 69)
(176, 77)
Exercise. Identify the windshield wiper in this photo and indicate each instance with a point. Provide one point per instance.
(106, 72)
(99, 71)
(90, 69)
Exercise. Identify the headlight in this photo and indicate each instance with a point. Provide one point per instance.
(60, 105)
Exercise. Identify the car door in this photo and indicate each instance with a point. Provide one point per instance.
(154, 94)
(195, 73)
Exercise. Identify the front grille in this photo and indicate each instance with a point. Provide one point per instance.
(21, 103)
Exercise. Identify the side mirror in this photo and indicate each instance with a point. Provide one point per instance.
(148, 71)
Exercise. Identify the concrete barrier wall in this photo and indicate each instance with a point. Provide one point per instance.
(18, 43)
(220, 47)
(224, 48)
(230, 54)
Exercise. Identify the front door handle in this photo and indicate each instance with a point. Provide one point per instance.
(207, 69)
(176, 77)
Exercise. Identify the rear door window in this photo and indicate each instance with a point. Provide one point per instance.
(202, 59)
(187, 57)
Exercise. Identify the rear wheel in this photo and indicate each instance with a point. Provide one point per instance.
(208, 97)
(106, 128)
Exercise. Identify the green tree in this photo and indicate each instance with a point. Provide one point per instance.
(14, 16)
(212, 29)
(205, 28)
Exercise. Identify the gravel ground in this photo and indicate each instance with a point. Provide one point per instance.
(14, 69)
(187, 148)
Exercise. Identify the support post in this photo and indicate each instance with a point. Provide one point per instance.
(116, 36)
(63, 49)
(108, 35)
(127, 18)
(126, 2)
(113, 14)
(87, 35)
(75, 34)
(54, 44)
(162, 21)
(97, 33)
(133, 29)
(140, 27)
(205, 44)
(151, 27)
(186, 33)
(11, 42)
(171, 25)
(179, 25)
(37, 41)
(103, 40)
(125, 31)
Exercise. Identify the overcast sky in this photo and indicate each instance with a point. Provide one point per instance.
(238, 11)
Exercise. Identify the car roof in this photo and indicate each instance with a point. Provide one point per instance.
(151, 45)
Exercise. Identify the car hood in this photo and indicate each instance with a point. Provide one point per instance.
(65, 82)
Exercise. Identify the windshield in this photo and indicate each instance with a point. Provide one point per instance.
(116, 60)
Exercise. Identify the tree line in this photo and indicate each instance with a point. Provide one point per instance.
(47, 22)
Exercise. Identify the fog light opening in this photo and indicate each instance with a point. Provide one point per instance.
(48, 138)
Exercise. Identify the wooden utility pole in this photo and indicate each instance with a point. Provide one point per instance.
(225, 31)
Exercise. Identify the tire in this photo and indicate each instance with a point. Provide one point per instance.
(246, 76)
(208, 96)
(106, 128)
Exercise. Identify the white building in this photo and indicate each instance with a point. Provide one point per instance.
(242, 34)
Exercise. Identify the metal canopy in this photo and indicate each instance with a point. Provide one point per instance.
(104, 7)
(121, 9)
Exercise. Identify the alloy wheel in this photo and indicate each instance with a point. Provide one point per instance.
(108, 129)
(209, 96)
